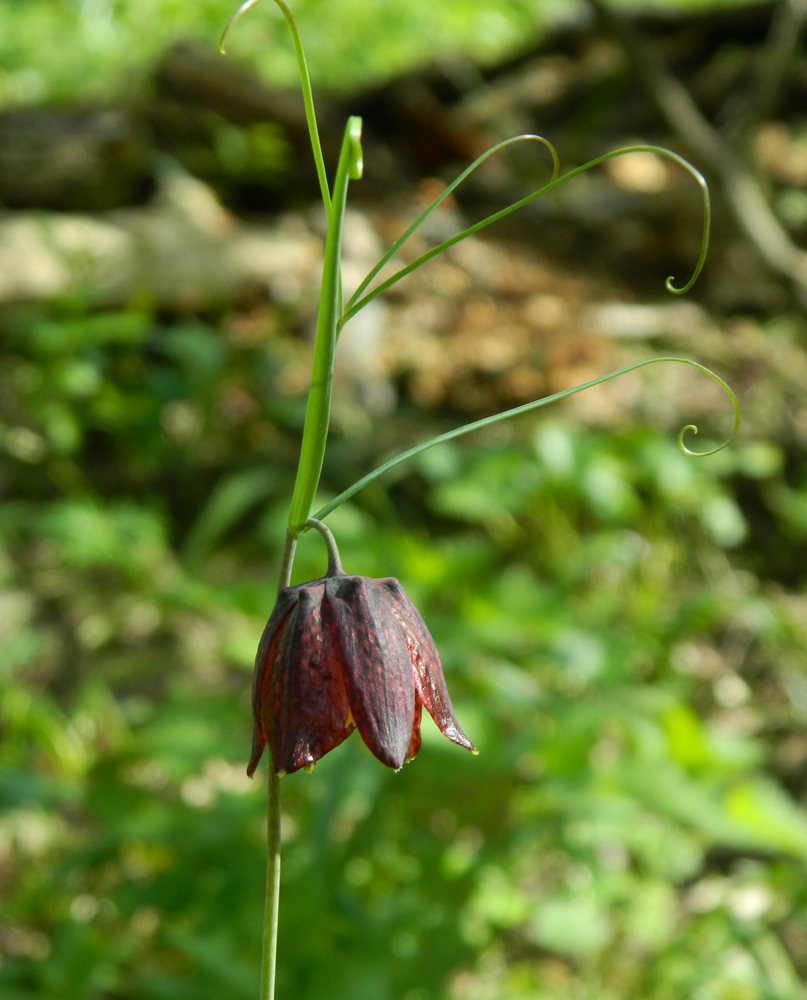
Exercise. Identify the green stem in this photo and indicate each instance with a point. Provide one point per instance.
(286, 560)
(271, 911)
(318, 410)
(534, 405)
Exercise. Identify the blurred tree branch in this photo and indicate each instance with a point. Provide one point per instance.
(771, 68)
(741, 189)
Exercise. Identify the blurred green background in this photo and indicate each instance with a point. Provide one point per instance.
(623, 628)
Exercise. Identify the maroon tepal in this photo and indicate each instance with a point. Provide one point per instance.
(343, 653)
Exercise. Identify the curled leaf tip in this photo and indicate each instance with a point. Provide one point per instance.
(234, 17)
(692, 427)
(694, 173)
(681, 445)
(544, 142)
(670, 286)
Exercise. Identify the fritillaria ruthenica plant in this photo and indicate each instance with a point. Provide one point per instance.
(348, 652)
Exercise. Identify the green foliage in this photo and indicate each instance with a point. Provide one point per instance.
(629, 668)
(111, 39)
(62, 49)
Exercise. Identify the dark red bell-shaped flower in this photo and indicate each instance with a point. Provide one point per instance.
(343, 653)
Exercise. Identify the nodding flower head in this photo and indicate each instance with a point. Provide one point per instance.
(343, 653)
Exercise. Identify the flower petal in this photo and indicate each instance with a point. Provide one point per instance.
(425, 660)
(263, 666)
(415, 741)
(375, 665)
(306, 713)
